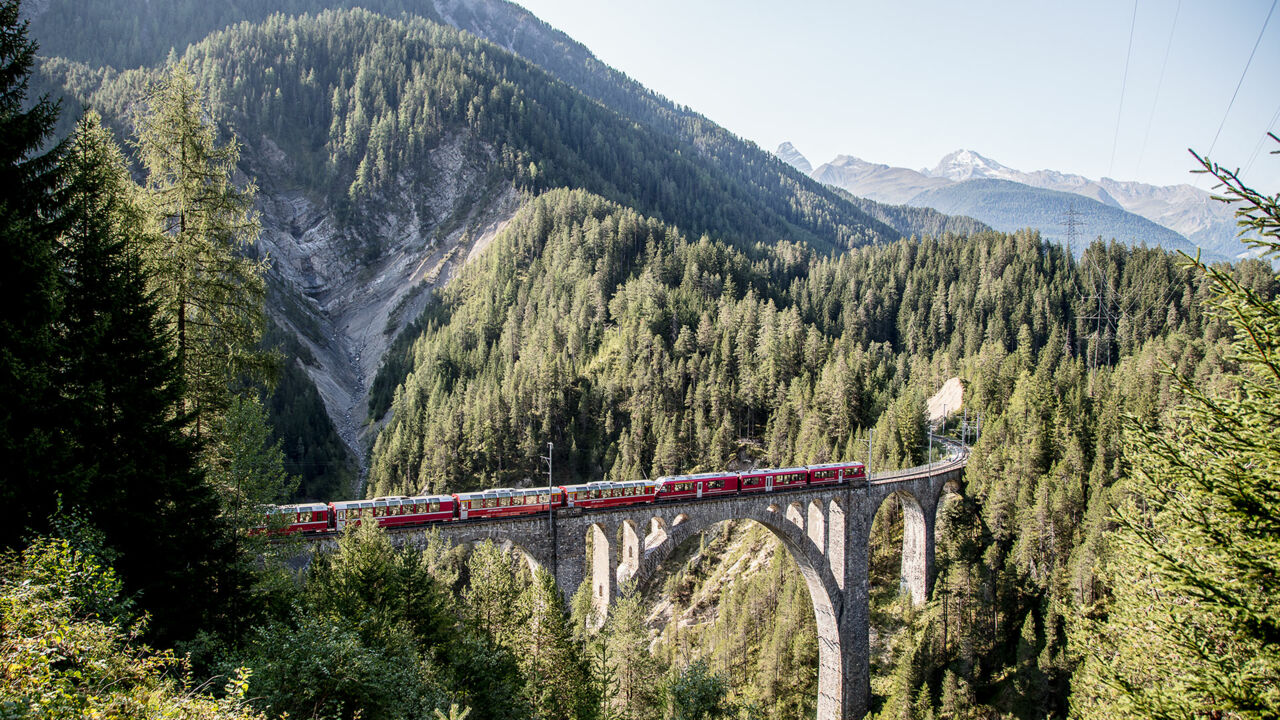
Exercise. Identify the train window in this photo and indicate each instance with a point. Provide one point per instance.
(435, 506)
(715, 484)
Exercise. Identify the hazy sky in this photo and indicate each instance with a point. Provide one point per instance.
(1031, 84)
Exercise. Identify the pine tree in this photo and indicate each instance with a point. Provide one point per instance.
(28, 438)
(246, 468)
(211, 291)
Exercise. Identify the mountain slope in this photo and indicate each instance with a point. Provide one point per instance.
(875, 182)
(389, 152)
(1009, 206)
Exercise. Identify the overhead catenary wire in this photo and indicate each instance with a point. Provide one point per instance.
(1159, 85)
(1271, 124)
(1124, 86)
(1244, 72)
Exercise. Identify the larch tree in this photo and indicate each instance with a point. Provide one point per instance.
(211, 290)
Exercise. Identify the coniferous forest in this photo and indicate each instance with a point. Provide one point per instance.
(661, 298)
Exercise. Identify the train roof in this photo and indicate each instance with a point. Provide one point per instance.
(300, 507)
(824, 466)
(777, 471)
(507, 492)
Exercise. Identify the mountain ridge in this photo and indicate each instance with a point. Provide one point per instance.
(1183, 209)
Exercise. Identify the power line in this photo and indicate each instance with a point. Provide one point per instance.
(1124, 85)
(1159, 84)
(1242, 74)
(1262, 140)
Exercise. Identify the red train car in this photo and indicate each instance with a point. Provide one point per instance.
(397, 511)
(834, 473)
(304, 518)
(671, 487)
(504, 502)
(774, 479)
(610, 494)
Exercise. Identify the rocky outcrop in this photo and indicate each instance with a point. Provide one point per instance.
(347, 300)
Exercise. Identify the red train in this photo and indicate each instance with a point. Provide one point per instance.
(509, 502)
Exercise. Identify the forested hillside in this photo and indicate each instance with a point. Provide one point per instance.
(128, 33)
(648, 353)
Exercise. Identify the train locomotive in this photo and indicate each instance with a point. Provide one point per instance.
(400, 511)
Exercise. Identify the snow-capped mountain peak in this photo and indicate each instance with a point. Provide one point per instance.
(791, 156)
(967, 164)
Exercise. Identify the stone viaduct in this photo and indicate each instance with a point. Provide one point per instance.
(826, 529)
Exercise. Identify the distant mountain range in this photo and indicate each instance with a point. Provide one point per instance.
(1176, 217)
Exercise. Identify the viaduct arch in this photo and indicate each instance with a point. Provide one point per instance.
(826, 530)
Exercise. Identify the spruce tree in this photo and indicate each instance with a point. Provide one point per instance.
(28, 436)
(557, 676)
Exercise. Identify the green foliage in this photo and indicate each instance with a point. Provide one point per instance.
(698, 694)
(454, 713)
(635, 670)
(127, 463)
(557, 674)
(1192, 625)
(313, 451)
(762, 638)
(369, 98)
(64, 658)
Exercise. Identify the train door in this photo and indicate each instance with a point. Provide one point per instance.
(699, 489)
(463, 506)
(768, 483)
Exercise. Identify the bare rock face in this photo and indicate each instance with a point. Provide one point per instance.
(347, 297)
(948, 401)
